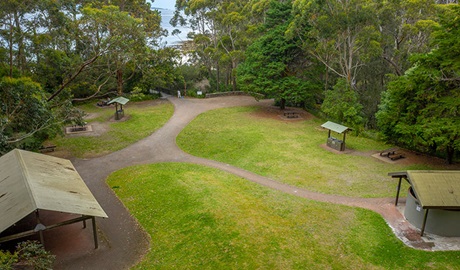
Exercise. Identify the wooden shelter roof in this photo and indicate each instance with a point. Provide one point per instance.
(32, 181)
(434, 189)
(335, 127)
(119, 100)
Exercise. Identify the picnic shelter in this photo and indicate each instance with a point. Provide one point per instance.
(333, 142)
(433, 200)
(119, 101)
(33, 182)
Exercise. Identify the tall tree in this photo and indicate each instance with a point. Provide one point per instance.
(343, 34)
(270, 67)
(421, 109)
(405, 27)
(222, 31)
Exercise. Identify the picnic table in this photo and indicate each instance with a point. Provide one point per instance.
(76, 128)
(291, 114)
(392, 153)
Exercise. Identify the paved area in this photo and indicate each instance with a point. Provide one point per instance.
(122, 242)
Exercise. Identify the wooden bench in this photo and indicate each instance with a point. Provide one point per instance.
(388, 152)
(291, 114)
(391, 154)
(46, 149)
(396, 156)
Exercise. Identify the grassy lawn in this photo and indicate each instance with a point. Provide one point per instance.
(143, 121)
(202, 218)
(290, 152)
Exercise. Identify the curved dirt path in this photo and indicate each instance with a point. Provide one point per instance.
(122, 242)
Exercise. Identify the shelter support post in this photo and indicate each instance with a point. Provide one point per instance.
(96, 244)
(424, 222)
(398, 191)
(39, 228)
(42, 240)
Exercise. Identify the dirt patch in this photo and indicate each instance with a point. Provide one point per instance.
(97, 129)
(411, 157)
(347, 150)
(273, 112)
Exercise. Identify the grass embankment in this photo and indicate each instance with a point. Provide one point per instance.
(143, 121)
(290, 152)
(202, 218)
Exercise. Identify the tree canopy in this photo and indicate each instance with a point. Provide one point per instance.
(275, 64)
(368, 64)
(422, 107)
(56, 52)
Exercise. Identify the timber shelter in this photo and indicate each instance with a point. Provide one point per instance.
(433, 191)
(119, 113)
(30, 182)
(333, 142)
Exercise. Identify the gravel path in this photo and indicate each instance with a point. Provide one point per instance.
(122, 242)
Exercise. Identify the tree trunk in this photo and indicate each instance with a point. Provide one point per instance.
(119, 82)
(217, 76)
(11, 49)
(282, 104)
(21, 58)
(450, 154)
(233, 74)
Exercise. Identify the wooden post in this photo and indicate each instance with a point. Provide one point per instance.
(96, 244)
(397, 191)
(40, 232)
(424, 222)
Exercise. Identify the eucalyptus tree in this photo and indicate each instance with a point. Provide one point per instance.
(222, 31)
(16, 16)
(113, 42)
(118, 36)
(201, 18)
(343, 35)
(56, 43)
(237, 32)
(405, 27)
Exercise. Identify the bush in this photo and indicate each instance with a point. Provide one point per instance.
(7, 260)
(194, 93)
(138, 95)
(27, 254)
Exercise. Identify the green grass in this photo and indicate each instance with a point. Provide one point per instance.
(202, 218)
(290, 152)
(143, 121)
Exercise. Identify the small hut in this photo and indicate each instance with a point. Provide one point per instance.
(119, 113)
(32, 182)
(333, 142)
(433, 200)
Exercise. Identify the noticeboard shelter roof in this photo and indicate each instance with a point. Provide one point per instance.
(119, 100)
(433, 188)
(32, 181)
(335, 127)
